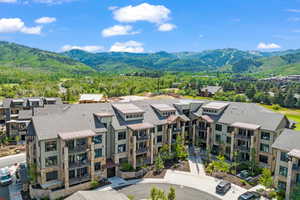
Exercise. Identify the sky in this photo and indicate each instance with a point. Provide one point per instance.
(151, 26)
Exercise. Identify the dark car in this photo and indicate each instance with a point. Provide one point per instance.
(249, 196)
(223, 187)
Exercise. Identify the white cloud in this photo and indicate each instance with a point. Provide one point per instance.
(118, 30)
(263, 45)
(143, 12)
(293, 10)
(45, 20)
(89, 48)
(13, 25)
(130, 46)
(166, 27)
(32, 30)
(8, 1)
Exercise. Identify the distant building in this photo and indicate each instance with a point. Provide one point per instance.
(91, 98)
(13, 112)
(283, 79)
(209, 91)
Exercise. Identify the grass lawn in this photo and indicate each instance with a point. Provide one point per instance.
(292, 114)
(198, 98)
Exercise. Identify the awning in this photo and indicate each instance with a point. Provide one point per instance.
(295, 153)
(207, 118)
(140, 126)
(245, 125)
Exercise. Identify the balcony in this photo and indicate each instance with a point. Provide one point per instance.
(78, 148)
(176, 130)
(243, 148)
(296, 167)
(243, 137)
(141, 150)
(142, 137)
(77, 180)
(78, 164)
(201, 128)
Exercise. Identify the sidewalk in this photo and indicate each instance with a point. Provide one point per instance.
(195, 162)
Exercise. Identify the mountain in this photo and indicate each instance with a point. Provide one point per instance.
(184, 61)
(21, 57)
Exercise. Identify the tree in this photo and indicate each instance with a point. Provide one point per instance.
(295, 195)
(250, 92)
(180, 151)
(159, 164)
(289, 100)
(253, 163)
(172, 194)
(220, 165)
(266, 178)
(298, 103)
(164, 152)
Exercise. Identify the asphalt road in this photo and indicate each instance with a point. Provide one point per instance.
(142, 191)
(8, 161)
(4, 193)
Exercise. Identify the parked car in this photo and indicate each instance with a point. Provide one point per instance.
(249, 196)
(223, 187)
(243, 174)
(5, 177)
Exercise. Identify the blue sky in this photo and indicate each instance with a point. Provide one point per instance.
(150, 26)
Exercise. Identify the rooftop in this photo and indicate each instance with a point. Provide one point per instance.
(163, 107)
(216, 105)
(245, 125)
(140, 126)
(77, 134)
(128, 108)
(91, 97)
(288, 140)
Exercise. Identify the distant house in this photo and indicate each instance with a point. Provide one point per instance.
(209, 91)
(91, 98)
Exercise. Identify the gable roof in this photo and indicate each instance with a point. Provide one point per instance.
(287, 140)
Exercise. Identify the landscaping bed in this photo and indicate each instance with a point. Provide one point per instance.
(7, 150)
(232, 179)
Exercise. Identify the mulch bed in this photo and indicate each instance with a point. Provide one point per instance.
(233, 179)
(7, 150)
(182, 166)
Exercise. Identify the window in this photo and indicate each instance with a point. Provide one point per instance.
(264, 148)
(230, 129)
(283, 171)
(98, 153)
(218, 127)
(50, 176)
(284, 157)
(50, 146)
(281, 185)
(97, 166)
(98, 139)
(218, 138)
(265, 136)
(263, 159)
(228, 140)
(121, 148)
(227, 150)
(159, 139)
(159, 128)
(122, 135)
(51, 161)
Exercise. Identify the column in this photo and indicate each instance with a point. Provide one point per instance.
(289, 179)
(66, 169)
(252, 145)
(134, 152)
(194, 135)
(208, 135)
(170, 139)
(92, 157)
(182, 133)
(232, 146)
(151, 147)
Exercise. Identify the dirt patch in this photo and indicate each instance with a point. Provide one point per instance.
(153, 174)
(8, 150)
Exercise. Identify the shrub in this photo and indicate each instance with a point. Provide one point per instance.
(94, 184)
(126, 167)
(275, 107)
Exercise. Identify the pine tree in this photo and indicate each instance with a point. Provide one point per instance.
(289, 100)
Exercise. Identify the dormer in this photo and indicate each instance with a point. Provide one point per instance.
(188, 106)
(129, 112)
(164, 110)
(17, 102)
(34, 102)
(214, 108)
(50, 101)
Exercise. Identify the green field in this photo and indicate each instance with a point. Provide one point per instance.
(292, 114)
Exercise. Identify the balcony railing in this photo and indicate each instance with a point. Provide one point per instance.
(141, 150)
(296, 167)
(142, 137)
(201, 128)
(243, 137)
(176, 130)
(78, 148)
(79, 164)
(243, 148)
(77, 180)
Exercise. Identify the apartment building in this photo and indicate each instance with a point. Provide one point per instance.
(86, 142)
(287, 154)
(16, 113)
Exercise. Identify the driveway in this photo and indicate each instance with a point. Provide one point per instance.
(8, 161)
(142, 191)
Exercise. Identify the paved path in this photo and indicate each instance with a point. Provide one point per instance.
(195, 162)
